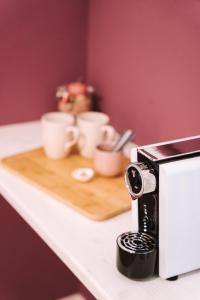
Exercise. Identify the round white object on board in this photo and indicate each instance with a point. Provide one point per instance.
(83, 174)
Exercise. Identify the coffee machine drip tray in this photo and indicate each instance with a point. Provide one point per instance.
(169, 150)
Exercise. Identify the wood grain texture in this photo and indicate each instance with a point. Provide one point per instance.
(99, 199)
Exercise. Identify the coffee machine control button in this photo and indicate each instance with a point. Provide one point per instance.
(139, 180)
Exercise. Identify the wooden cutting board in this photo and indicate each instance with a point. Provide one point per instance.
(99, 199)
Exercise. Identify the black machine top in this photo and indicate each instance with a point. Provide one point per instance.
(171, 150)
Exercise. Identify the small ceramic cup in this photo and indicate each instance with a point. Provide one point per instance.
(106, 162)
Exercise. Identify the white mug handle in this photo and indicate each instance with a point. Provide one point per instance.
(108, 134)
(74, 131)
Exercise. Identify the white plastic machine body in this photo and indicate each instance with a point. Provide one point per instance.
(179, 214)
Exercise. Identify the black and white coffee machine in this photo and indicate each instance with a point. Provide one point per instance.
(164, 183)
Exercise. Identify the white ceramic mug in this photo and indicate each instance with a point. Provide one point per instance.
(59, 134)
(93, 131)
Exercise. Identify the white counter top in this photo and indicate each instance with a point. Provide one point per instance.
(87, 247)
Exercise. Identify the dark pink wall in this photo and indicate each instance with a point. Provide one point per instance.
(143, 57)
(29, 270)
(42, 45)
